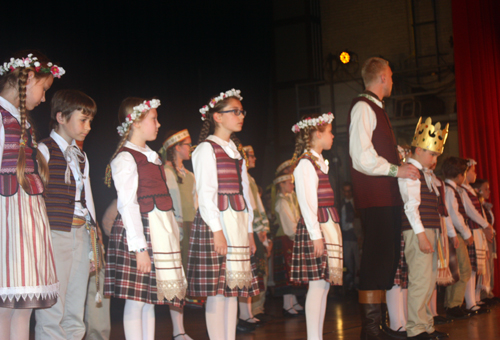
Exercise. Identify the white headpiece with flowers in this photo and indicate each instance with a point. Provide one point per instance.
(137, 111)
(215, 100)
(325, 118)
(31, 61)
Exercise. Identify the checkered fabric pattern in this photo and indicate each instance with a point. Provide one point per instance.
(206, 270)
(401, 277)
(305, 266)
(122, 280)
(472, 257)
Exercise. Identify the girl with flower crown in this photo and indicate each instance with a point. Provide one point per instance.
(144, 264)
(27, 269)
(317, 250)
(222, 242)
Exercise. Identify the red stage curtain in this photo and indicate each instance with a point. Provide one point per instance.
(476, 28)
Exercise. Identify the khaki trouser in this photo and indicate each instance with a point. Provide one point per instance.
(422, 275)
(454, 296)
(97, 318)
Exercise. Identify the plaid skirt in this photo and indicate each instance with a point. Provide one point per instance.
(401, 277)
(305, 266)
(472, 256)
(206, 270)
(122, 279)
(282, 261)
(260, 262)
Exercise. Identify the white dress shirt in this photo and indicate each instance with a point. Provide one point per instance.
(288, 218)
(126, 179)
(365, 158)
(207, 184)
(80, 182)
(470, 209)
(306, 186)
(175, 193)
(457, 219)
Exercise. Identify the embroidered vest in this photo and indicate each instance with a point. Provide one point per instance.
(59, 196)
(377, 191)
(326, 200)
(8, 179)
(428, 208)
(479, 208)
(443, 211)
(152, 189)
(489, 218)
(229, 180)
(461, 208)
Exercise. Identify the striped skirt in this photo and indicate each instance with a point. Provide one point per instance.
(305, 266)
(122, 280)
(206, 270)
(27, 269)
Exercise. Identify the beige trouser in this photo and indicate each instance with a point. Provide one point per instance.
(97, 319)
(422, 275)
(64, 320)
(454, 296)
(258, 301)
(490, 262)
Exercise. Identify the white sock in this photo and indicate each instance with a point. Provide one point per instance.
(315, 297)
(15, 323)
(396, 308)
(470, 291)
(433, 302)
(288, 304)
(296, 304)
(138, 320)
(177, 315)
(245, 305)
(214, 312)
(478, 296)
(231, 316)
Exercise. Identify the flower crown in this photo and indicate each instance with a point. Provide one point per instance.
(31, 61)
(137, 111)
(325, 118)
(215, 100)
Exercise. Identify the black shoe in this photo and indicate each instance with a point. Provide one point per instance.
(287, 313)
(254, 322)
(494, 300)
(263, 317)
(180, 334)
(399, 334)
(456, 313)
(440, 335)
(244, 326)
(423, 336)
(479, 310)
(441, 320)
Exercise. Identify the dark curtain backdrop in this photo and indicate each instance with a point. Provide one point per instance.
(476, 28)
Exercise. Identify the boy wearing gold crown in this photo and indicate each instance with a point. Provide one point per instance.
(421, 226)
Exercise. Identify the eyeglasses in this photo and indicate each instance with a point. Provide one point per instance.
(190, 145)
(236, 112)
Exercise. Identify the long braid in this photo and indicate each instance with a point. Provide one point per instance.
(107, 178)
(43, 167)
(239, 146)
(21, 160)
(171, 158)
(205, 130)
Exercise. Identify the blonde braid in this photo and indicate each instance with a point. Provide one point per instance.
(43, 167)
(239, 146)
(205, 130)
(21, 159)
(107, 177)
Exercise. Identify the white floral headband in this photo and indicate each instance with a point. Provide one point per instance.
(31, 61)
(325, 118)
(137, 111)
(471, 162)
(215, 100)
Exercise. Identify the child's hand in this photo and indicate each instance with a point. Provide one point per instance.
(143, 262)
(455, 242)
(220, 243)
(253, 247)
(319, 247)
(424, 244)
(488, 231)
(470, 241)
(262, 236)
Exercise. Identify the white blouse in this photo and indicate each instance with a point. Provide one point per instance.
(306, 186)
(207, 185)
(288, 217)
(457, 219)
(470, 209)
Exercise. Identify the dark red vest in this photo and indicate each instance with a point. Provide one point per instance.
(377, 191)
(152, 189)
(326, 199)
(8, 177)
(229, 180)
(479, 208)
(59, 196)
(428, 208)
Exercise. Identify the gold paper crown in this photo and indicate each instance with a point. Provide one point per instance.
(430, 137)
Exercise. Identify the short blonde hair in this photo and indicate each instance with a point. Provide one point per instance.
(372, 68)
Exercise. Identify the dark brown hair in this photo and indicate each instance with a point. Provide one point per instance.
(69, 101)
(454, 166)
(170, 154)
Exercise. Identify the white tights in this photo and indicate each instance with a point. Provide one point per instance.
(397, 306)
(470, 291)
(177, 315)
(245, 311)
(15, 324)
(139, 320)
(221, 314)
(317, 295)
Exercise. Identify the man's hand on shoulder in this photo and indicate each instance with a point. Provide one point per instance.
(408, 171)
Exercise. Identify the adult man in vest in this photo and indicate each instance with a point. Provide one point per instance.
(374, 168)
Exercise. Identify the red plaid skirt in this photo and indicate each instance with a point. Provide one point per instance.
(282, 260)
(472, 256)
(122, 280)
(401, 277)
(305, 266)
(206, 270)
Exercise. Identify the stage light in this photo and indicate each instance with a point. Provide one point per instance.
(345, 57)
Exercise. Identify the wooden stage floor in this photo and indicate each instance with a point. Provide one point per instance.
(342, 322)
